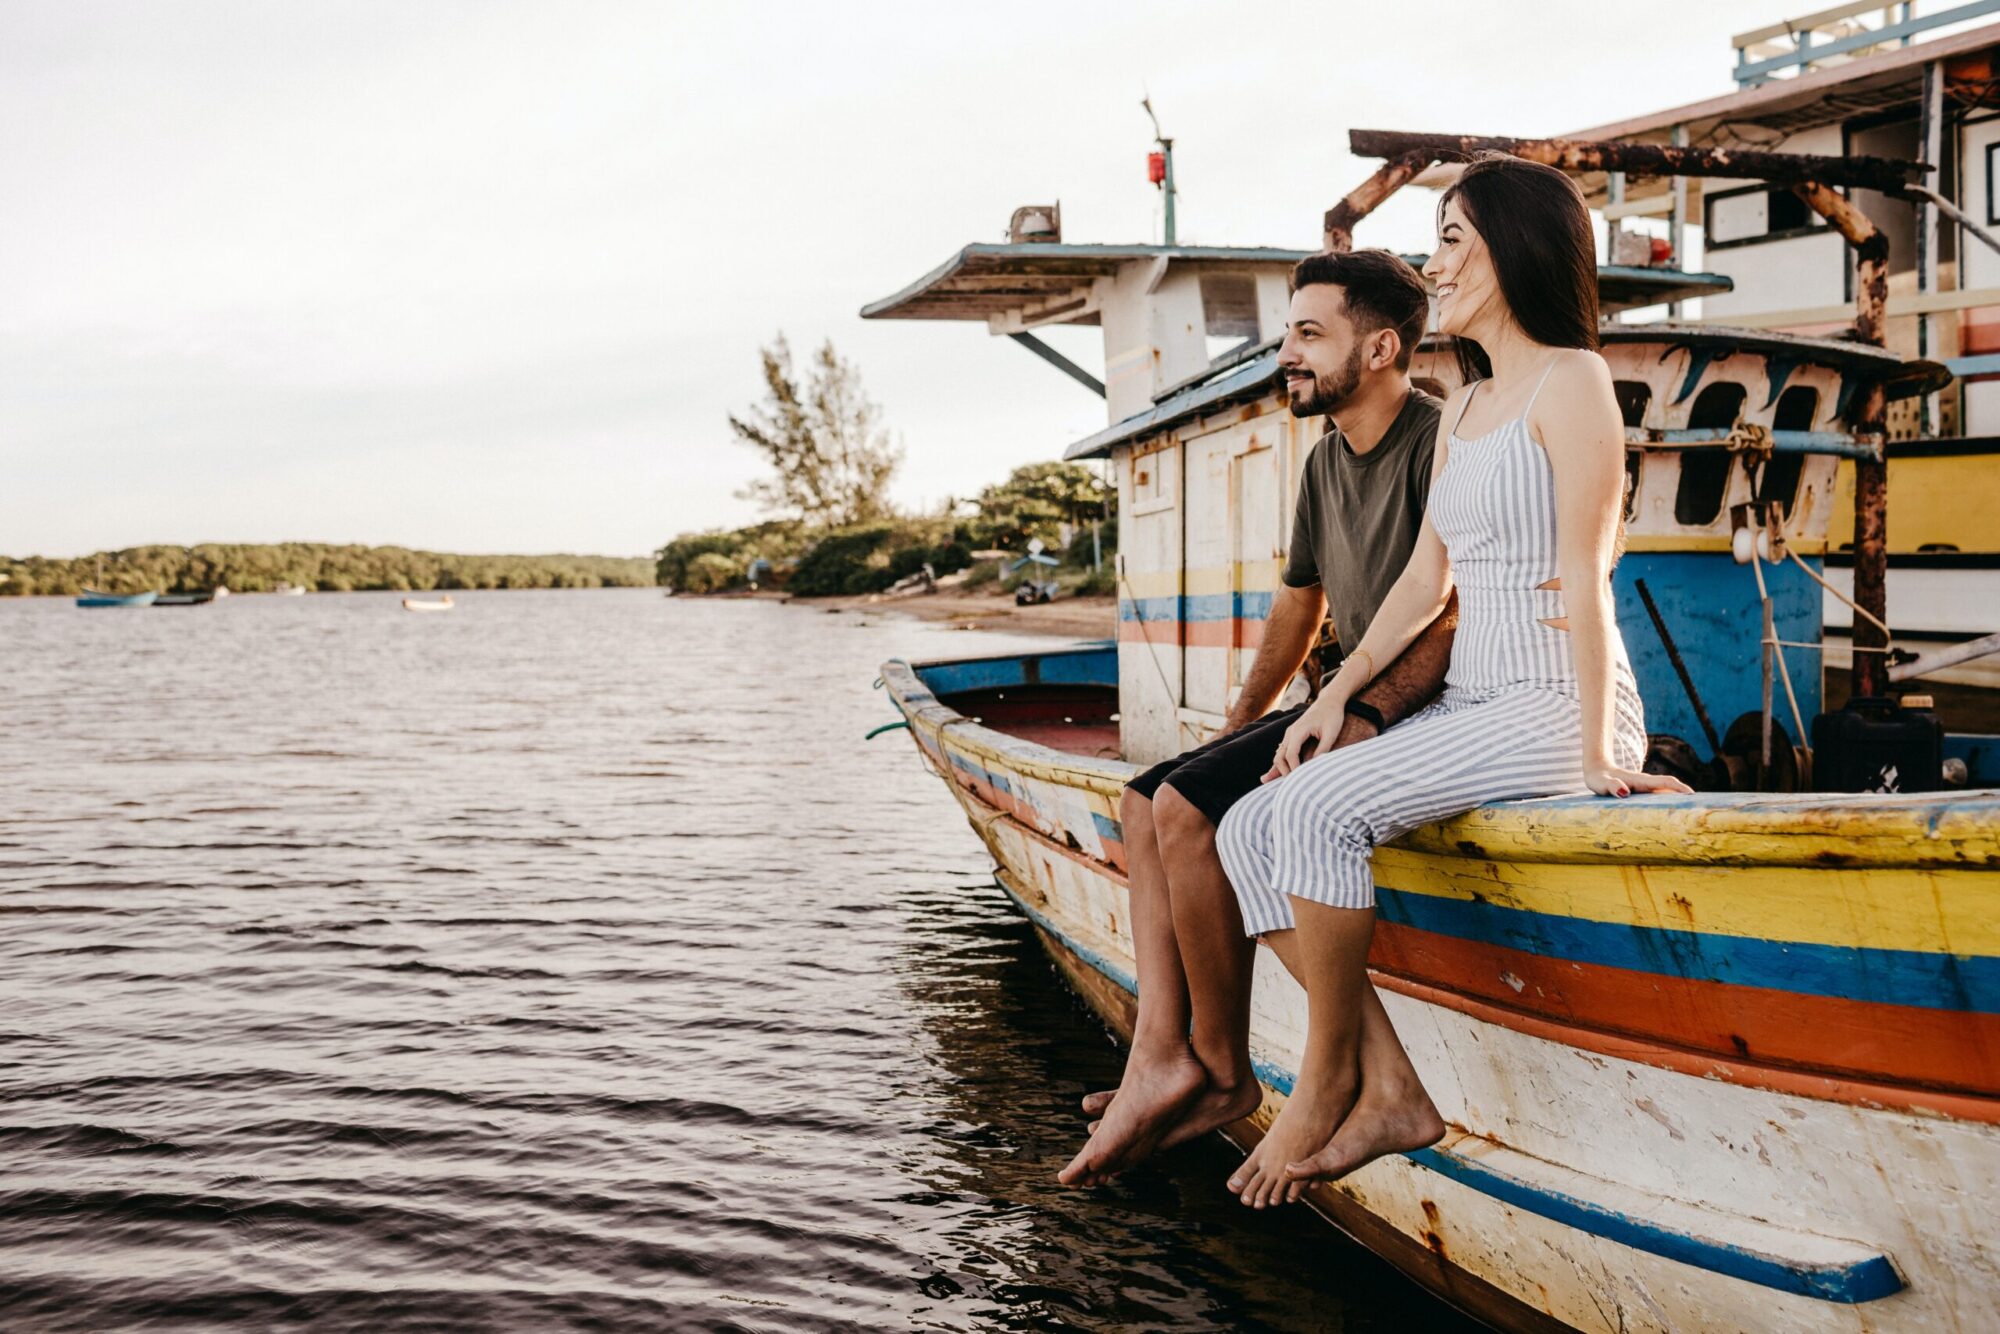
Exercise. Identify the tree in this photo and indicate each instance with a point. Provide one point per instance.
(1033, 501)
(823, 439)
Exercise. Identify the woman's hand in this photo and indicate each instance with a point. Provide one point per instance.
(1312, 735)
(1608, 780)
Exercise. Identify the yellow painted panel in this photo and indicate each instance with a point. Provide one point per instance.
(1946, 499)
(1934, 911)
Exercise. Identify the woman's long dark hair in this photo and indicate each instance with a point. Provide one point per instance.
(1537, 228)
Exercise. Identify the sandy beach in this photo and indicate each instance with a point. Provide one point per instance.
(1069, 618)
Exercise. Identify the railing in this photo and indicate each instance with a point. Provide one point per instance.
(1761, 55)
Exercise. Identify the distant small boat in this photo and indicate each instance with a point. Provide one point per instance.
(90, 597)
(290, 590)
(201, 599)
(417, 604)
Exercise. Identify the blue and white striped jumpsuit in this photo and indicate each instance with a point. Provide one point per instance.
(1508, 725)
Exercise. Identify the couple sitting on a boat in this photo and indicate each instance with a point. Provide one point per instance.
(1463, 552)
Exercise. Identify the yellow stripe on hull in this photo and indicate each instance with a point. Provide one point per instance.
(1893, 908)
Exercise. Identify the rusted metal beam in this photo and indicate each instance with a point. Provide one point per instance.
(1871, 173)
(1870, 674)
(1366, 197)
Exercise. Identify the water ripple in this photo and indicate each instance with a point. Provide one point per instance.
(569, 962)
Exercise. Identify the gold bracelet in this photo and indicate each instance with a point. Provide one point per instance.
(1371, 665)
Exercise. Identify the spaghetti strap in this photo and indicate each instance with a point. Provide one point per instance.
(1464, 406)
(1546, 372)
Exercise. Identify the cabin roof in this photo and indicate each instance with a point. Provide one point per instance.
(983, 280)
(1820, 97)
(986, 279)
(1253, 378)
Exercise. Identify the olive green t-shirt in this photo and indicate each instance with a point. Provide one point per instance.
(1358, 515)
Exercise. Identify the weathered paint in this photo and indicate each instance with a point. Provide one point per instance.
(1633, 1181)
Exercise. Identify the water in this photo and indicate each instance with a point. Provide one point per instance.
(564, 962)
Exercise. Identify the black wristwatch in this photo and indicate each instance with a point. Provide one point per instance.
(1368, 713)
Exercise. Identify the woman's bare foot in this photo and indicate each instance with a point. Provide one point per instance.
(1095, 1103)
(1382, 1122)
(1151, 1098)
(1304, 1124)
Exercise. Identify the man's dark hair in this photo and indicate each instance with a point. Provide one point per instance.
(1381, 291)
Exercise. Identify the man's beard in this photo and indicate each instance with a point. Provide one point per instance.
(1330, 391)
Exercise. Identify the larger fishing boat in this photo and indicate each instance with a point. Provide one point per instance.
(1850, 80)
(1729, 1060)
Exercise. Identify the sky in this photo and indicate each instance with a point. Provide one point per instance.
(490, 276)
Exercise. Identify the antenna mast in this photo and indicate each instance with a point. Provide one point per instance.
(1160, 165)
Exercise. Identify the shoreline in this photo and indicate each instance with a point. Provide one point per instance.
(1093, 617)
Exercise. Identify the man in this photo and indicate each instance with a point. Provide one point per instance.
(1355, 322)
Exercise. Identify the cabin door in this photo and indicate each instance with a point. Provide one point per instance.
(1208, 601)
(1258, 528)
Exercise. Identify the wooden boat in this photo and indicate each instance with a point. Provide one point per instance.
(1731, 1061)
(201, 599)
(1724, 1061)
(289, 591)
(90, 597)
(417, 604)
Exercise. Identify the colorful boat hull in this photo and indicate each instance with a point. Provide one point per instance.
(1723, 1061)
(88, 598)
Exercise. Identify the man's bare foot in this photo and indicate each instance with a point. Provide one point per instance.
(1150, 1099)
(1304, 1124)
(1095, 1103)
(1381, 1123)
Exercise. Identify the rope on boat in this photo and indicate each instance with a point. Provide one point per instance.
(887, 727)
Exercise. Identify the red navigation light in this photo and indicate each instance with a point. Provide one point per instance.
(1156, 168)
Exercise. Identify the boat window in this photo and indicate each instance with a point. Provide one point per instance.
(1755, 214)
(1633, 396)
(1229, 305)
(1778, 482)
(1705, 470)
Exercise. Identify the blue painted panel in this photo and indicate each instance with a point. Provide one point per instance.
(1108, 829)
(1094, 667)
(1091, 666)
(1888, 977)
(1709, 603)
(1865, 1281)
(1981, 754)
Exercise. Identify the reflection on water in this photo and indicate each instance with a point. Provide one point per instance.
(567, 961)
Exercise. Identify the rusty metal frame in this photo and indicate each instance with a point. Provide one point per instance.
(1816, 180)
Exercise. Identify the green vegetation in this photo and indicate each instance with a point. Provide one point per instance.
(254, 568)
(817, 561)
(836, 532)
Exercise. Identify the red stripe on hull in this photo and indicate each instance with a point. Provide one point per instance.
(1942, 1049)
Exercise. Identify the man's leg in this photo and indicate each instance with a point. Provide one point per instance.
(1161, 1074)
(1217, 958)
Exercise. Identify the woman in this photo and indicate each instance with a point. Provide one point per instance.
(1525, 500)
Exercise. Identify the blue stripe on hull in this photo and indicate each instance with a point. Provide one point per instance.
(1241, 606)
(1887, 977)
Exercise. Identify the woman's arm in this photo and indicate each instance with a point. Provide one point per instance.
(1576, 418)
(1412, 604)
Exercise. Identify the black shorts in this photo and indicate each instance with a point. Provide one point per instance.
(1217, 774)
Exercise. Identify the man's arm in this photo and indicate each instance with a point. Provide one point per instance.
(1289, 632)
(1411, 681)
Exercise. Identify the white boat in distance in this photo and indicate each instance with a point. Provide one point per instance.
(418, 604)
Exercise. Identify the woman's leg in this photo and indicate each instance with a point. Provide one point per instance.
(1324, 822)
